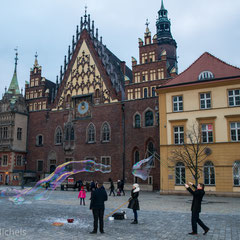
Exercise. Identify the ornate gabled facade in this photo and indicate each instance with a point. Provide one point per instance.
(81, 114)
(13, 133)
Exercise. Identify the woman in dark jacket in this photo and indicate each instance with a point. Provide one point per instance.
(134, 203)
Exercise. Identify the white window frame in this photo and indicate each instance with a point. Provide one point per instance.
(236, 130)
(179, 133)
(208, 132)
(177, 104)
(205, 100)
(234, 98)
(207, 169)
(182, 169)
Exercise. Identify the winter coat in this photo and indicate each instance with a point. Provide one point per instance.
(112, 186)
(119, 185)
(197, 199)
(133, 201)
(82, 194)
(99, 196)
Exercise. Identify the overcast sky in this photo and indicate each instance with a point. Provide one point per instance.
(47, 26)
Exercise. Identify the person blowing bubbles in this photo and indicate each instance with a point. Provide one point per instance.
(196, 207)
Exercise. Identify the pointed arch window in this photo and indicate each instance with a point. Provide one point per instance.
(91, 133)
(149, 118)
(105, 132)
(58, 136)
(67, 133)
(39, 140)
(180, 174)
(137, 121)
(150, 149)
(136, 156)
(72, 135)
(209, 173)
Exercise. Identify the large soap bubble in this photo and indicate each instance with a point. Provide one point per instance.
(142, 168)
(54, 180)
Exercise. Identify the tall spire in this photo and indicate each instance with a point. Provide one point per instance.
(162, 5)
(163, 24)
(14, 88)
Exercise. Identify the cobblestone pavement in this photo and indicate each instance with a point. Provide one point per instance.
(160, 217)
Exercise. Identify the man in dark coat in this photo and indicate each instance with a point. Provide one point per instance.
(134, 203)
(196, 207)
(99, 196)
(111, 187)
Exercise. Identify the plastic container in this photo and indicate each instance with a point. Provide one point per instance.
(70, 220)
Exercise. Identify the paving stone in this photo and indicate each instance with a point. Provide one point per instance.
(160, 217)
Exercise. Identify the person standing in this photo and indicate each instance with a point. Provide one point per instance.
(134, 203)
(99, 196)
(122, 187)
(196, 207)
(92, 186)
(82, 195)
(111, 187)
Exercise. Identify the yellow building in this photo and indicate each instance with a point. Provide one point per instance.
(207, 94)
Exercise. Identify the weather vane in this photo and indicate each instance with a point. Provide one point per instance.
(147, 23)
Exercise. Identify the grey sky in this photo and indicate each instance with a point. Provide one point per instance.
(47, 27)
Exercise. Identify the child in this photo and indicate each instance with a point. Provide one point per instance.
(82, 195)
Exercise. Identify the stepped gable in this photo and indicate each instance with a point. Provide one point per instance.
(206, 62)
(112, 70)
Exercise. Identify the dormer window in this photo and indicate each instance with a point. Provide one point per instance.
(205, 75)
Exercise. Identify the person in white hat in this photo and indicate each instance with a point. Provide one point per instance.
(134, 203)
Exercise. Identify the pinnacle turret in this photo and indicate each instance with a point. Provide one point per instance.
(14, 87)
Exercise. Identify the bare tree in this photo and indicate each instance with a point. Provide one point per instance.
(192, 152)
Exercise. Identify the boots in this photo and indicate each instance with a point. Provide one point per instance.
(134, 222)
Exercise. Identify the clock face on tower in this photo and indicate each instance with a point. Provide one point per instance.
(83, 107)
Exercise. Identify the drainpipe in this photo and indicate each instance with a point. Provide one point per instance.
(124, 142)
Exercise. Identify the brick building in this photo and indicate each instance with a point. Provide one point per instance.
(98, 108)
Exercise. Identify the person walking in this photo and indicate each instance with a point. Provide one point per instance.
(134, 203)
(99, 196)
(92, 186)
(122, 187)
(111, 187)
(82, 195)
(196, 207)
(118, 188)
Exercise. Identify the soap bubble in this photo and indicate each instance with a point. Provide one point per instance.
(54, 180)
(142, 168)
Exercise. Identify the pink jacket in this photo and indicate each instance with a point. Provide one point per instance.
(82, 194)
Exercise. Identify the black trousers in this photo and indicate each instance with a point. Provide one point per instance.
(112, 191)
(195, 220)
(82, 200)
(98, 216)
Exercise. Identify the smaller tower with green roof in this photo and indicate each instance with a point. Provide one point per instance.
(14, 87)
